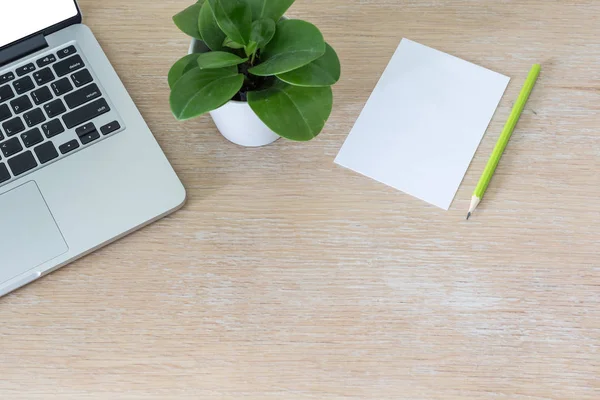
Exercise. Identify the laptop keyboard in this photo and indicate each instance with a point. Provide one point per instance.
(50, 107)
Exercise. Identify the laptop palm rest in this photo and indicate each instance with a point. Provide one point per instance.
(29, 235)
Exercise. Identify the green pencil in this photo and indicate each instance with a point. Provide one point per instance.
(490, 168)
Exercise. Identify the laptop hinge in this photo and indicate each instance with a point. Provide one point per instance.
(22, 49)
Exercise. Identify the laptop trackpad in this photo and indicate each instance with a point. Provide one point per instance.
(28, 234)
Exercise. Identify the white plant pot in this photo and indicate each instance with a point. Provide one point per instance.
(235, 120)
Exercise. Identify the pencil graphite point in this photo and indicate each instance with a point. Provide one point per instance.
(474, 203)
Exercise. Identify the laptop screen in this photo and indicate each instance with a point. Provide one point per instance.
(21, 18)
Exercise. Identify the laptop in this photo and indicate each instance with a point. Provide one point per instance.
(79, 167)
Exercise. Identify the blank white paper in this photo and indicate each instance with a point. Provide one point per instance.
(423, 123)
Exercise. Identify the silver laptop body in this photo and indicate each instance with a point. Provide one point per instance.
(79, 167)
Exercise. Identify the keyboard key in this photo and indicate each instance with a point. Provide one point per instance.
(13, 126)
(32, 137)
(21, 104)
(49, 59)
(61, 87)
(53, 128)
(6, 93)
(82, 77)
(43, 76)
(86, 113)
(7, 77)
(4, 112)
(110, 128)
(35, 117)
(22, 163)
(41, 95)
(11, 147)
(46, 152)
(23, 85)
(68, 65)
(85, 129)
(82, 96)
(67, 51)
(4, 174)
(55, 108)
(90, 137)
(25, 69)
(69, 146)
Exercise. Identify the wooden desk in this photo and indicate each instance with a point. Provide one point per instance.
(287, 277)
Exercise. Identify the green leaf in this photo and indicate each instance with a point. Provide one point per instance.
(251, 48)
(324, 71)
(273, 9)
(231, 44)
(295, 44)
(187, 20)
(262, 32)
(294, 112)
(218, 59)
(212, 35)
(199, 91)
(181, 67)
(234, 18)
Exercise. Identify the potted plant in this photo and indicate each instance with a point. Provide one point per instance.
(259, 74)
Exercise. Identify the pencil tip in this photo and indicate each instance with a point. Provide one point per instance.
(468, 216)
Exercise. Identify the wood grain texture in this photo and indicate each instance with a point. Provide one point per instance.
(288, 277)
